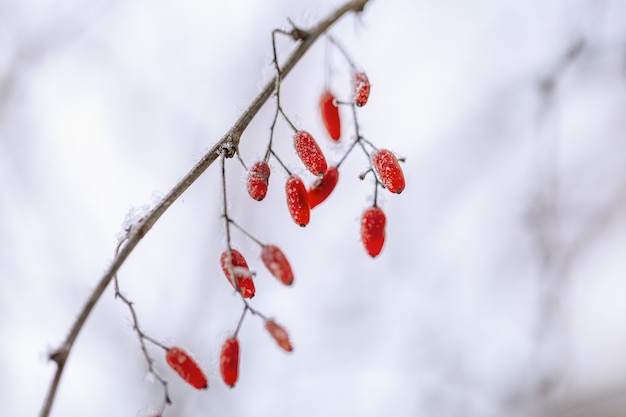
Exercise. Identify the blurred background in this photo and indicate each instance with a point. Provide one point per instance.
(501, 288)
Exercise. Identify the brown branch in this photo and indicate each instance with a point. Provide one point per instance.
(232, 138)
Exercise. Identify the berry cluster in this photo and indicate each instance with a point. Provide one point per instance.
(383, 163)
(300, 200)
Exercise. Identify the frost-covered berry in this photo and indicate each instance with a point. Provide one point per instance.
(186, 367)
(361, 88)
(373, 230)
(241, 271)
(323, 187)
(297, 200)
(276, 262)
(309, 152)
(258, 180)
(330, 115)
(229, 361)
(389, 171)
(279, 334)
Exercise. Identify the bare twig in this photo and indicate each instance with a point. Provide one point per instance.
(232, 137)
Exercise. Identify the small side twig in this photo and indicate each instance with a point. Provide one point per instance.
(142, 337)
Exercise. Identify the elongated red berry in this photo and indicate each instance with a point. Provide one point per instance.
(229, 361)
(297, 200)
(309, 152)
(186, 367)
(373, 230)
(258, 180)
(361, 88)
(276, 262)
(330, 115)
(279, 334)
(241, 271)
(389, 170)
(323, 187)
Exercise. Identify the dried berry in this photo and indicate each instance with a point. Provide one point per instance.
(373, 230)
(297, 200)
(279, 334)
(258, 180)
(330, 115)
(186, 367)
(276, 262)
(229, 361)
(241, 271)
(323, 187)
(309, 152)
(389, 170)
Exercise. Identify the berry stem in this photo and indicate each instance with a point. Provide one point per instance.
(280, 162)
(343, 158)
(342, 50)
(375, 192)
(327, 65)
(245, 232)
(242, 163)
(243, 315)
(295, 129)
(360, 138)
(229, 249)
(225, 204)
(142, 336)
(272, 127)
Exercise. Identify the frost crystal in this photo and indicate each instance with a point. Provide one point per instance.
(135, 214)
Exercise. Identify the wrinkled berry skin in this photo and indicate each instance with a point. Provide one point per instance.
(361, 89)
(389, 170)
(241, 271)
(276, 262)
(323, 187)
(258, 180)
(373, 230)
(229, 361)
(330, 115)
(279, 334)
(186, 368)
(310, 153)
(297, 201)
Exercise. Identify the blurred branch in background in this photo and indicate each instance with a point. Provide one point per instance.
(562, 234)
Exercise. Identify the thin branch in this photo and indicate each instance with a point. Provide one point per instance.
(232, 137)
(142, 337)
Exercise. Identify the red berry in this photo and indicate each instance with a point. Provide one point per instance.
(279, 334)
(309, 152)
(229, 361)
(323, 187)
(373, 230)
(186, 367)
(297, 200)
(389, 171)
(241, 271)
(278, 265)
(361, 88)
(258, 180)
(330, 115)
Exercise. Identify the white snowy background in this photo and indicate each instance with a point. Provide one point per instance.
(501, 290)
